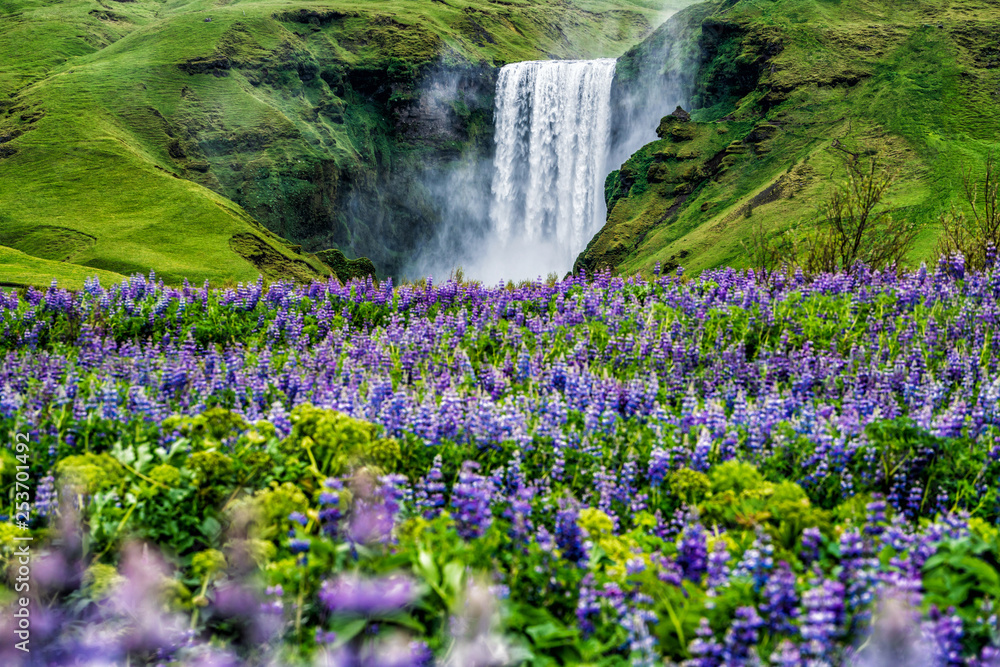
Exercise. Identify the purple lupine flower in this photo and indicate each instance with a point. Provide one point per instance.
(273, 604)
(46, 498)
(706, 650)
(875, 523)
(471, 499)
(812, 538)
(668, 571)
(297, 546)
(990, 655)
(371, 520)
(786, 655)
(519, 514)
(858, 568)
(642, 645)
(353, 594)
(692, 551)
(757, 561)
(325, 637)
(718, 568)
(393, 490)
(420, 655)
(742, 636)
(569, 536)
(605, 489)
(330, 513)
(822, 619)
(945, 632)
(659, 466)
(588, 605)
(430, 491)
(781, 600)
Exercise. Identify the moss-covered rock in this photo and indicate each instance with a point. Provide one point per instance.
(655, 183)
(345, 269)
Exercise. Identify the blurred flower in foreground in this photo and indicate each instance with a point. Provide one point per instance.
(352, 594)
(895, 638)
(476, 641)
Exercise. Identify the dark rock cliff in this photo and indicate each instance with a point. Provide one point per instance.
(350, 163)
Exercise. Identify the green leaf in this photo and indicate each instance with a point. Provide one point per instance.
(454, 579)
(427, 568)
(986, 575)
(143, 457)
(347, 628)
(126, 456)
(404, 620)
(211, 528)
(550, 634)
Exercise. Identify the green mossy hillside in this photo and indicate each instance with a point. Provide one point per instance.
(657, 181)
(20, 270)
(194, 137)
(799, 86)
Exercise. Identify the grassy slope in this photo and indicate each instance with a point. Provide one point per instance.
(916, 82)
(107, 141)
(19, 269)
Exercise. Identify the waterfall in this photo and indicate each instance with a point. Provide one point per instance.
(552, 128)
(531, 210)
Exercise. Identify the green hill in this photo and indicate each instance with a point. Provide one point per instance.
(781, 91)
(195, 137)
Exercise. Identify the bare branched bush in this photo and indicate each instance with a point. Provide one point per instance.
(976, 237)
(768, 253)
(857, 226)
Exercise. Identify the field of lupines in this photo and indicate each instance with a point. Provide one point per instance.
(706, 472)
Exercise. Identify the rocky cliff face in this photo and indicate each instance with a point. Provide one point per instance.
(656, 182)
(348, 162)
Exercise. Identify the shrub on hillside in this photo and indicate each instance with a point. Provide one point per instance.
(858, 226)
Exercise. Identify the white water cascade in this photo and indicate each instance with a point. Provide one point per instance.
(552, 129)
(531, 210)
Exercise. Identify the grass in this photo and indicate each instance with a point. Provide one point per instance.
(158, 136)
(20, 270)
(918, 83)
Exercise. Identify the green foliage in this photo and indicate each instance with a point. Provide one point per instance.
(977, 236)
(964, 574)
(276, 503)
(345, 269)
(208, 563)
(857, 227)
(689, 485)
(735, 476)
(100, 579)
(89, 473)
(214, 425)
(329, 441)
(211, 467)
(166, 474)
